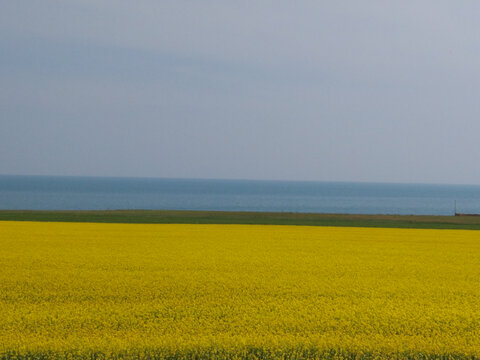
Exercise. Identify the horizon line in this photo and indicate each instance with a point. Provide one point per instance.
(239, 179)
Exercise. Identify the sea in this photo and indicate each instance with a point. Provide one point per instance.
(100, 193)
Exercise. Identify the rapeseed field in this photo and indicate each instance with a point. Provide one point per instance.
(74, 291)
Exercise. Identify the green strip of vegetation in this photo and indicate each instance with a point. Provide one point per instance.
(227, 217)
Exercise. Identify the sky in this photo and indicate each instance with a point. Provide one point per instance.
(374, 91)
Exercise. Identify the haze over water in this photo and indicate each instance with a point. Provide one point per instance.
(96, 193)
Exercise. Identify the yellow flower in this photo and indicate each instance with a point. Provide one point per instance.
(72, 290)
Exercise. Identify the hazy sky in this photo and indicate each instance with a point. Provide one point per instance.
(309, 90)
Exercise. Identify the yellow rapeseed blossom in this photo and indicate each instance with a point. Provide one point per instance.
(237, 291)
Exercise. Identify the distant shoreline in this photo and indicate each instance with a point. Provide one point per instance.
(471, 222)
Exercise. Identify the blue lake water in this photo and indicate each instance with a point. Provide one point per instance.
(75, 193)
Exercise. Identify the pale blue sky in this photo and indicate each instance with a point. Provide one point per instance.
(348, 91)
